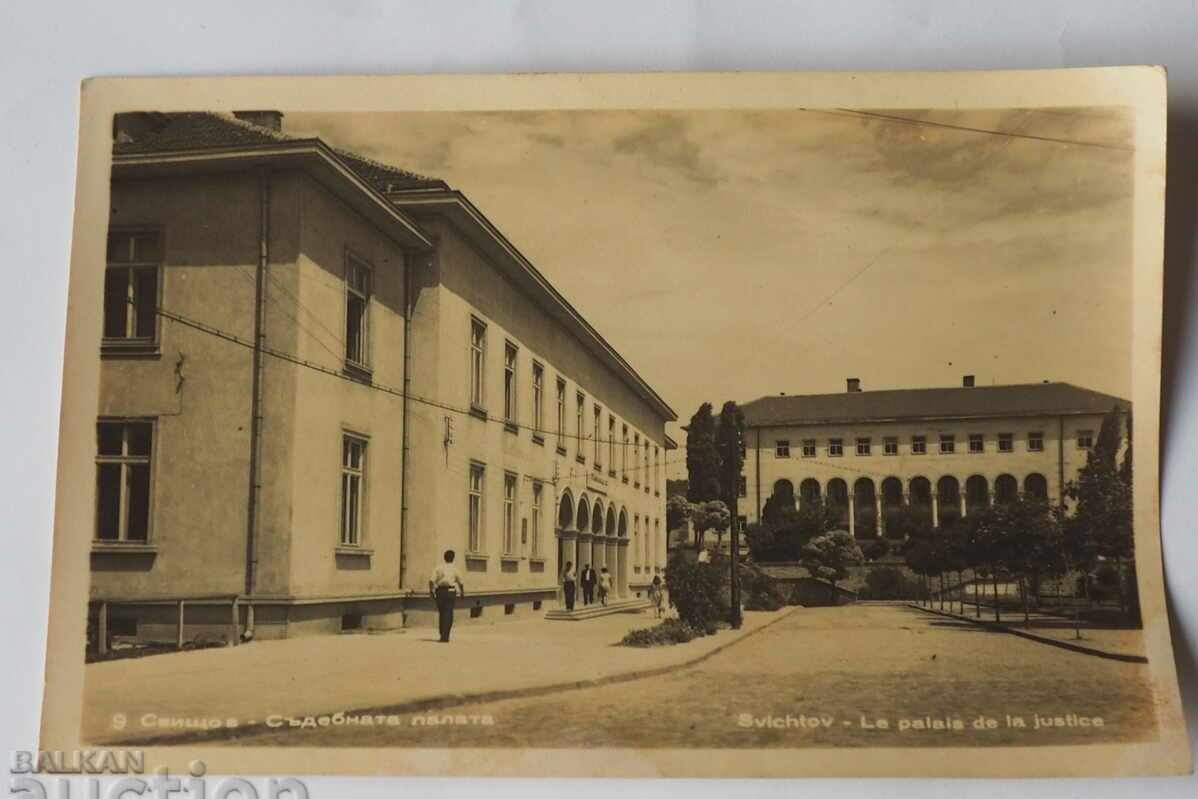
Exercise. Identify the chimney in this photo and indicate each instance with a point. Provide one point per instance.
(854, 384)
(272, 120)
(967, 381)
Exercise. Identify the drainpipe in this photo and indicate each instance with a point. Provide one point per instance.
(409, 304)
(252, 510)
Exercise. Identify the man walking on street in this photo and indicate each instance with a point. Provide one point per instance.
(445, 586)
(588, 580)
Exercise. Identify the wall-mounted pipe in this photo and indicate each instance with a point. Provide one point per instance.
(256, 402)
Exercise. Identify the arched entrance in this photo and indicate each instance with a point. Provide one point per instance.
(1006, 489)
(809, 493)
(837, 494)
(948, 500)
(892, 503)
(865, 509)
(919, 496)
(1035, 487)
(977, 495)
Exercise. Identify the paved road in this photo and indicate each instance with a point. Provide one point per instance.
(855, 676)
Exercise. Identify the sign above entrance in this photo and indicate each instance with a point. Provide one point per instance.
(596, 482)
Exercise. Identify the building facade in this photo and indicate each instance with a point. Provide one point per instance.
(950, 450)
(319, 373)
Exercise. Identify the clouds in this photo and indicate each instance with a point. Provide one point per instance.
(700, 242)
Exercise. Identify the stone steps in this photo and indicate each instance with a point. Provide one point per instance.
(596, 610)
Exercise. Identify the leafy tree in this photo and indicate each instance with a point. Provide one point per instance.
(676, 488)
(730, 447)
(697, 589)
(828, 557)
(678, 512)
(1101, 526)
(713, 516)
(702, 457)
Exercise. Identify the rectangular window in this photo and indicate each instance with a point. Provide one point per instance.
(1035, 442)
(977, 443)
(131, 289)
(538, 397)
(611, 444)
(808, 447)
(636, 456)
(657, 469)
(561, 415)
(538, 491)
(863, 446)
(474, 509)
(835, 447)
(597, 428)
(890, 445)
(509, 513)
(509, 382)
(782, 448)
(123, 452)
(579, 429)
(624, 456)
(478, 360)
(948, 444)
(646, 465)
(919, 445)
(353, 488)
(1006, 442)
(1085, 439)
(743, 487)
(357, 312)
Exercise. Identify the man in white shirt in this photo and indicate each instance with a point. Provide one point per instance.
(445, 586)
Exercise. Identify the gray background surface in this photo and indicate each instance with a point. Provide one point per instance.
(46, 48)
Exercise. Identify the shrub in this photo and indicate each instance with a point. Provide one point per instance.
(759, 590)
(698, 590)
(890, 583)
(670, 631)
(876, 549)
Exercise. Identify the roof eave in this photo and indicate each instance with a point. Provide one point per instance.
(459, 210)
(311, 155)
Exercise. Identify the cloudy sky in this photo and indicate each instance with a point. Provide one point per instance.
(731, 254)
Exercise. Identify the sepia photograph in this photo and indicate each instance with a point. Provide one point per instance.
(769, 428)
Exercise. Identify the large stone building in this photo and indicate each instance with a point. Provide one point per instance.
(420, 386)
(952, 450)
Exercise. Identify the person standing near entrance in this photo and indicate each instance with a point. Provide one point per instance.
(604, 585)
(568, 584)
(588, 584)
(445, 586)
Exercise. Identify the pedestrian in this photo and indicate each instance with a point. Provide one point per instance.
(568, 584)
(445, 587)
(604, 585)
(588, 584)
(657, 596)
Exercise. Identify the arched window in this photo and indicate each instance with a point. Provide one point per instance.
(1035, 486)
(948, 498)
(865, 508)
(977, 494)
(565, 514)
(1006, 489)
(583, 519)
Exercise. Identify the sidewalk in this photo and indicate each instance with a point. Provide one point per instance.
(1115, 643)
(315, 676)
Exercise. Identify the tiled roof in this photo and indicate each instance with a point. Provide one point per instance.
(203, 130)
(929, 403)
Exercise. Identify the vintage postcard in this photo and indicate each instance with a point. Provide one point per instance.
(720, 425)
